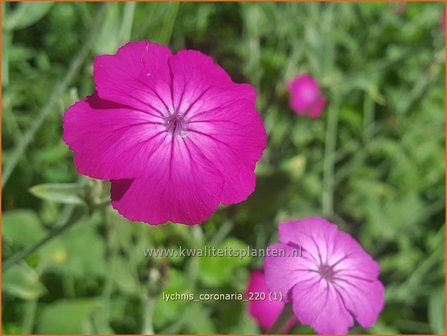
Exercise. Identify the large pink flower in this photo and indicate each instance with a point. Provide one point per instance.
(174, 134)
(332, 284)
(305, 96)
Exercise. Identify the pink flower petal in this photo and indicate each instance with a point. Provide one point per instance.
(193, 75)
(110, 141)
(317, 108)
(356, 280)
(309, 233)
(285, 272)
(138, 76)
(317, 303)
(180, 185)
(351, 259)
(363, 298)
(222, 120)
(264, 311)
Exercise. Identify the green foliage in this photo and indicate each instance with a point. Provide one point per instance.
(26, 14)
(66, 193)
(21, 227)
(374, 163)
(436, 311)
(216, 272)
(23, 282)
(70, 315)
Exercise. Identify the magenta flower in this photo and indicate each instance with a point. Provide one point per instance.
(173, 133)
(260, 307)
(305, 96)
(332, 283)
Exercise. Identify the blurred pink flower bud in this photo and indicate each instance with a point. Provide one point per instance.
(262, 306)
(305, 96)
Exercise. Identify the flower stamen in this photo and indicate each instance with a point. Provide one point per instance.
(176, 124)
(326, 272)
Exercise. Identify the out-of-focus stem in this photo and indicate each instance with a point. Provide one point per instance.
(110, 253)
(29, 317)
(329, 160)
(148, 311)
(368, 118)
(283, 321)
(169, 21)
(30, 311)
(194, 262)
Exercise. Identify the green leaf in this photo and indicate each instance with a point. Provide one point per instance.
(168, 24)
(21, 227)
(436, 311)
(216, 270)
(66, 193)
(198, 320)
(79, 252)
(124, 276)
(67, 316)
(246, 325)
(108, 36)
(167, 312)
(381, 328)
(23, 282)
(26, 15)
(294, 166)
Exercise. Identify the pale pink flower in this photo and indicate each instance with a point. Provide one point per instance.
(332, 284)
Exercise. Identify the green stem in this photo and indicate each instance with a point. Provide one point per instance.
(418, 274)
(421, 84)
(29, 316)
(110, 253)
(58, 91)
(368, 118)
(6, 42)
(222, 232)
(329, 160)
(168, 22)
(148, 311)
(194, 263)
(126, 23)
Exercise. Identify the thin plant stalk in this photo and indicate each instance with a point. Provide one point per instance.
(58, 91)
(329, 160)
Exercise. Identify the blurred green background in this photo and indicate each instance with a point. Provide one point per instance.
(373, 164)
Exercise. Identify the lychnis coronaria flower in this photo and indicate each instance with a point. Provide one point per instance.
(305, 96)
(332, 283)
(172, 132)
(260, 307)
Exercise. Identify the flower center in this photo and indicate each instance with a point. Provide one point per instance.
(326, 272)
(176, 124)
